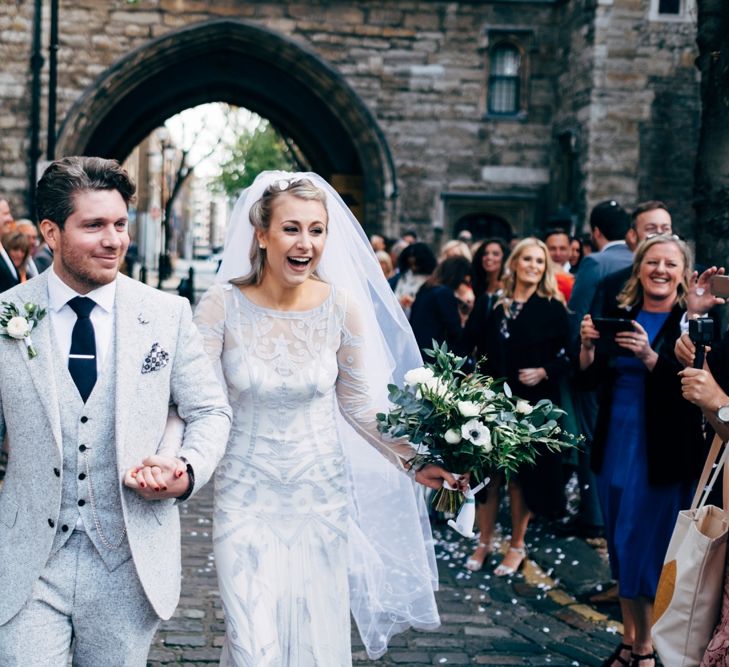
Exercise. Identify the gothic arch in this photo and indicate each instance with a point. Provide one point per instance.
(247, 65)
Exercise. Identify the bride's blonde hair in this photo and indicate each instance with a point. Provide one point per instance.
(260, 217)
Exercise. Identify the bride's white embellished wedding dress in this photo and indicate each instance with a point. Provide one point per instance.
(284, 537)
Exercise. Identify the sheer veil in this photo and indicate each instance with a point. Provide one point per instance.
(392, 569)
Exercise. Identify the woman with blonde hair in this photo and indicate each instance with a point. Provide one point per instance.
(314, 515)
(648, 448)
(17, 246)
(524, 340)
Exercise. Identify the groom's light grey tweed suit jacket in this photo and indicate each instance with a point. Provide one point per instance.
(30, 498)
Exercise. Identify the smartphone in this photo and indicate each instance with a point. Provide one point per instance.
(719, 286)
(608, 327)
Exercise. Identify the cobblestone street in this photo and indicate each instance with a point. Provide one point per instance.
(534, 618)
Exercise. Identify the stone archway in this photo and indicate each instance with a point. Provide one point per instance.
(240, 63)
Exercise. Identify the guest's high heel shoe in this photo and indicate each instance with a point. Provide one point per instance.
(507, 570)
(475, 564)
(635, 659)
(616, 657)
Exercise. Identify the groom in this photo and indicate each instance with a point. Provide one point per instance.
(84, 560)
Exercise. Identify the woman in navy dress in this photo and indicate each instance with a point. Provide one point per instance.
(648, 447)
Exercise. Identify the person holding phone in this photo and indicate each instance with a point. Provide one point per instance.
(648, 446)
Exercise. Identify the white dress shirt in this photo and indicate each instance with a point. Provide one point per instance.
(63, 318)
(9, 262)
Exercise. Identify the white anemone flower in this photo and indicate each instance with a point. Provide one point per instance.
(478, 433)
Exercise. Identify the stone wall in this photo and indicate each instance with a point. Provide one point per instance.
(624, 85)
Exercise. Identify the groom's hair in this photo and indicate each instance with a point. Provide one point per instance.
(65, 178)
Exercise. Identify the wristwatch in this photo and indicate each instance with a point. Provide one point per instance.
(722, 414)
(190, 478)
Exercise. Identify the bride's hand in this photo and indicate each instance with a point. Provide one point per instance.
(433, 477)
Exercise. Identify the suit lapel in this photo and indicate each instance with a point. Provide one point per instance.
(40, 368)
(129, 318)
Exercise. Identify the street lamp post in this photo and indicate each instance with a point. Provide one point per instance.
(164, 269)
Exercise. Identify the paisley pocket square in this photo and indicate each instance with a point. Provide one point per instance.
(156, 359)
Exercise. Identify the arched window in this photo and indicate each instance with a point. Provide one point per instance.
(504, 80)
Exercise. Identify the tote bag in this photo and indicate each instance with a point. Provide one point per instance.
(688, 598)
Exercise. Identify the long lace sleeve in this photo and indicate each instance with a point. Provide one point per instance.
(210, 320)
(355, 396)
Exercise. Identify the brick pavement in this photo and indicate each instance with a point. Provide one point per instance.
(529, 619)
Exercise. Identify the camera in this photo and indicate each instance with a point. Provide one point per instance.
(701, 333)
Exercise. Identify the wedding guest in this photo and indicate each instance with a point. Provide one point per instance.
(27, 227)
(437, 311)
(313, 513)
(488, 265)
(647, 448)
(18, 249)
(377, 241)
(524, 340)
(455, 248)
(575, 254)
(385, 263)
(415, 264)
(558, 243)
(8, 273)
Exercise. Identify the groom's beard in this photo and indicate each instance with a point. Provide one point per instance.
(86, 271)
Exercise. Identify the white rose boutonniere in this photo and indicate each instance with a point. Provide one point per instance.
(17, 324)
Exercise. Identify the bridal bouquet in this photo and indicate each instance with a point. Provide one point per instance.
(468, 423)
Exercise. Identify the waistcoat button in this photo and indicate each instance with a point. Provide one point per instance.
(51, 523)
(84, 419)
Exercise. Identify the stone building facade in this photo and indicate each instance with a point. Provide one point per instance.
(495, 115)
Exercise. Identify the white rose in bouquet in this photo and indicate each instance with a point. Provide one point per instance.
(452, 436)
(18, 327)
(418, 376)
(437, 386)
(489, 395)
(469, 408)
(524, 408)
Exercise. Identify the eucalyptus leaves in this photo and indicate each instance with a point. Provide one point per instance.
(468, 423)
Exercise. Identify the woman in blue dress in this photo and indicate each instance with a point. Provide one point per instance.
(648, 446)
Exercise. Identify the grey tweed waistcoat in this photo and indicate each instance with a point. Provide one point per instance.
(90, 484)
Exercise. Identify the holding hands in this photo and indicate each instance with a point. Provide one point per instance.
(158, 477)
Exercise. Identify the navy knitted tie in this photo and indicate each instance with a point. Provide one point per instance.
(82, 358)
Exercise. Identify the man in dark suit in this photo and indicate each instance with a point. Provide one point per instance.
(8, 274)
(609, 223)
(648, 219)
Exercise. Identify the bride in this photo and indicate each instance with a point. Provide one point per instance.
(314, 512)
